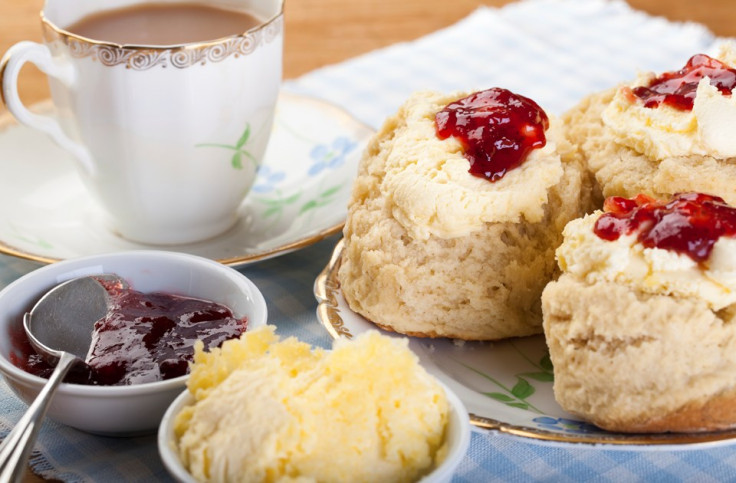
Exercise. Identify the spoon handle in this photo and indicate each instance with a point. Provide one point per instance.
(17, 446)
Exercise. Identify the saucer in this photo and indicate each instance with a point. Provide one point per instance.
(299, 197)
(507, 385)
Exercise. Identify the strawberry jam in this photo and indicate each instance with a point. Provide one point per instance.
(690, 223)
(677, 89)
(143, 338)
(496, 128)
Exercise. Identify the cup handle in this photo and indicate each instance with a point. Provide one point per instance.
(41, 57)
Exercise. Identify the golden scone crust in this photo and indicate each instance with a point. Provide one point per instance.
(482, 285)
(621, 171)
(634, 362)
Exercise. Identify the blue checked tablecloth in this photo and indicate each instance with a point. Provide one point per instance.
(554, 51)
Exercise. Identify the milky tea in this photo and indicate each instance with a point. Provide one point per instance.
(163, 24)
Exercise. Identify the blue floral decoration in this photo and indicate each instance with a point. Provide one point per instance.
(565, 425)
(330, 157)
(267, 179)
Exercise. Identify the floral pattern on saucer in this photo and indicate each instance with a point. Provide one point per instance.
(325, 159)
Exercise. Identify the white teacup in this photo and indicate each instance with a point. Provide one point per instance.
(167, 138)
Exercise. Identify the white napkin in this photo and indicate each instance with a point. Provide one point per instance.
(554, 51)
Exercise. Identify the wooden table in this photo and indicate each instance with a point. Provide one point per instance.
(322, 32)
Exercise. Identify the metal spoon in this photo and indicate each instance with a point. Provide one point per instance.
(59, 328)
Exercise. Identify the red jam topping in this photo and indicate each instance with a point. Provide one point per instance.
(690, 223)
(144, 338)
(496, 128)
(677, 89)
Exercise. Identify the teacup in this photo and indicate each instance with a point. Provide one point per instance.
(167, 138)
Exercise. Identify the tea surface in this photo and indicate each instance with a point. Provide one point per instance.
(163, 24)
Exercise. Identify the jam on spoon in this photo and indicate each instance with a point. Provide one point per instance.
(677, 89)
(689, 223)
(496, 128)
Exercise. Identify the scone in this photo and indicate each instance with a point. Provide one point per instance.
(434, 250)
(663, 134)
(641, 325)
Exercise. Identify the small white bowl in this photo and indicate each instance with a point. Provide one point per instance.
(458, 439)
(121, 410)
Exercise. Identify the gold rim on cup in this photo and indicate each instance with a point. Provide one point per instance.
(181, 56)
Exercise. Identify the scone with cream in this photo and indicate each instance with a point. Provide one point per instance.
(663, 134)
(275, 410)
(451, 234)
(641, 326)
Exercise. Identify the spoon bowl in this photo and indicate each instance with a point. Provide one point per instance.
(63, 319)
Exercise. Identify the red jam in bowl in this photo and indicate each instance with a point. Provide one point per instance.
(689, 223)
(677, 89)
(496, 128)
(144, 337)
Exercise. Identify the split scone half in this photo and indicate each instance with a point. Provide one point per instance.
(641, 325)
(433, 250)
(663, 134)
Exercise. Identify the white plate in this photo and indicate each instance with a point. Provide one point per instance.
(506, 386)
(299, 197)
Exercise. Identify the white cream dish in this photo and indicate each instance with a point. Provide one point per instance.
(136, 407)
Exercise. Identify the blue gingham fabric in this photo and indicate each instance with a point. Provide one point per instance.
(554, 51)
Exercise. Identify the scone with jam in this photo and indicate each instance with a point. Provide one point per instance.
(641, 326)
(458, 206)
(663, 134)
